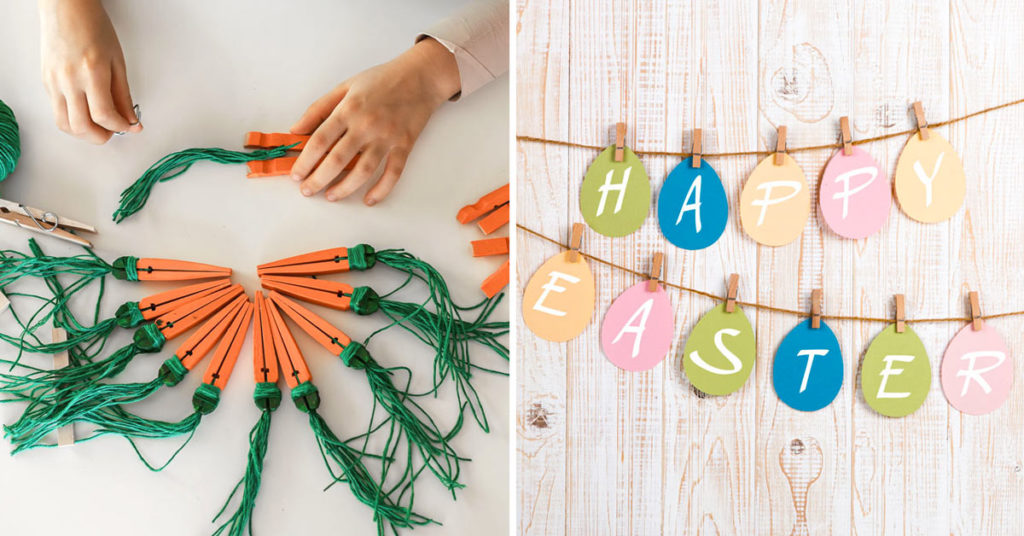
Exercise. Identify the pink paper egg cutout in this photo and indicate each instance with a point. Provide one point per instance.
(977, 370)
(854, 195)
(638, 328)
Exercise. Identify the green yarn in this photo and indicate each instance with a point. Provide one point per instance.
(306, 397)
(361, 257)
(134, 198)
(267, 397)
(172, 371)
(355, 356)
(126, 268)
(364, 301)
(129, 315)
(15, 265)
(206, 398)
(10, 142)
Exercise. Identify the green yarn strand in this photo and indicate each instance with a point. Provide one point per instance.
(10, 141)
(134, 198)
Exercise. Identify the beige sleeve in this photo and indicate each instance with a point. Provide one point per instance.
(478, 37)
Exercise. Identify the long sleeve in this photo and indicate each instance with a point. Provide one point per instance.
(478, 37)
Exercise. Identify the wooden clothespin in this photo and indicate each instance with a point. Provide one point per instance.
(698, 147)
(44, 222)
(575, 239)
(730, 296)
(66, 433)
(4, 303)
(780, 146)
(844, 127)
(901, 314)
(816, 308)
(976, 320)
(922, 124)
(620, 141)
(656, 265)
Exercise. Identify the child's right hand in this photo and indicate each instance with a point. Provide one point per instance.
(84, 70)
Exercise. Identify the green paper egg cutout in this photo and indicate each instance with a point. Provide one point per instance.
(720, 351)
(895, 376)
(616, 196)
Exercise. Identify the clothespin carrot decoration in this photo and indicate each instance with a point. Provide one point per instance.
(87, 402)
(270, 159)
(497, 204)
(344, 463)
(420, 431)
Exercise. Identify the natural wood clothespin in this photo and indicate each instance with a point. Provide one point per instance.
(844, 127)
(730, 296)
(901, 314)
(922, 124)
(4, 303)
(66, 433)
(656, 266)
(698, 147)
(976, 321)
(620, 141)
(816, 308)
(575, 239)
(780, 147)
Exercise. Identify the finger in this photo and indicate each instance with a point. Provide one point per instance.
(81, 123)
(319, 111)
(123, 98)
(322, 141)
(392, 172)
(332, 166)
(101, 102)
(60, 111)
(368, 163)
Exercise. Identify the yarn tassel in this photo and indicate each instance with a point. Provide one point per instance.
(15, 265)
(135, 196)
(420, 429)
(80, 402)
(268, 398)
(364, 487)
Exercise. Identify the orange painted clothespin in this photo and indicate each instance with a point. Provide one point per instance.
(816, 308)
(331, 294)
(282, 165)
(496, 281)
(976, 321)
(187, 316)
(158, 304)
(698, 147)
(575, 240)
(657, 263)
(844, 130)
(293, 365)
(264, 354)
(166, 270)
(485, 204)
(901, 314)
(219, 370)
(780, 146)
(322, 331)
(730, 296)
(325, 261)
(490, 246)
(922, 124)
(620, 141)
(202, 342)
(495, 220)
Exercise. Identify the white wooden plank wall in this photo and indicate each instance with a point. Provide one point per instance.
(602, 451)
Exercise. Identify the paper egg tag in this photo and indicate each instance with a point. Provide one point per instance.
(930, 179)
(720, 352)
(896, 375)
(559, 299)
(775, 202)
(692, 207)
(808, 368)
(854, 195)
(638, 328)
(616, 196)
(977, 371)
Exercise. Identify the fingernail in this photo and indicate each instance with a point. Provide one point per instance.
(371, 202)
(331, 198)
(307, 192)
(296, 177)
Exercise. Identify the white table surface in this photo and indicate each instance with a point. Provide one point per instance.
(204, 73)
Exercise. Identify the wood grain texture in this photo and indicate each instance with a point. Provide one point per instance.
(601, 451)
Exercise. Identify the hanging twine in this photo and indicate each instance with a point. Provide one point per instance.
(10, 142)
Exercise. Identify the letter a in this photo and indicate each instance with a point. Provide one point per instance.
(694, 205)
(638, 329)
(927, 179)
(619, 189)
(552, 286)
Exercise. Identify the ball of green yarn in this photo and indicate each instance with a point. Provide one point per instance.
(10, 143)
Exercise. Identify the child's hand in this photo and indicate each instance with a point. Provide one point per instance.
(84, 70)
(377, 114)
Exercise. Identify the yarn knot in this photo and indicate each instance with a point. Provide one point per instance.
(365, 300)
(206, 398)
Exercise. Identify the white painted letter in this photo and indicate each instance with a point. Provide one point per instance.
(638, 329)
(889, 371)
(970, 372)
(811, 354)
(551, 286)
(927, 179)
(619, 189)
(847, 192)
(768, 200)
(692, 205)
(737, 365)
